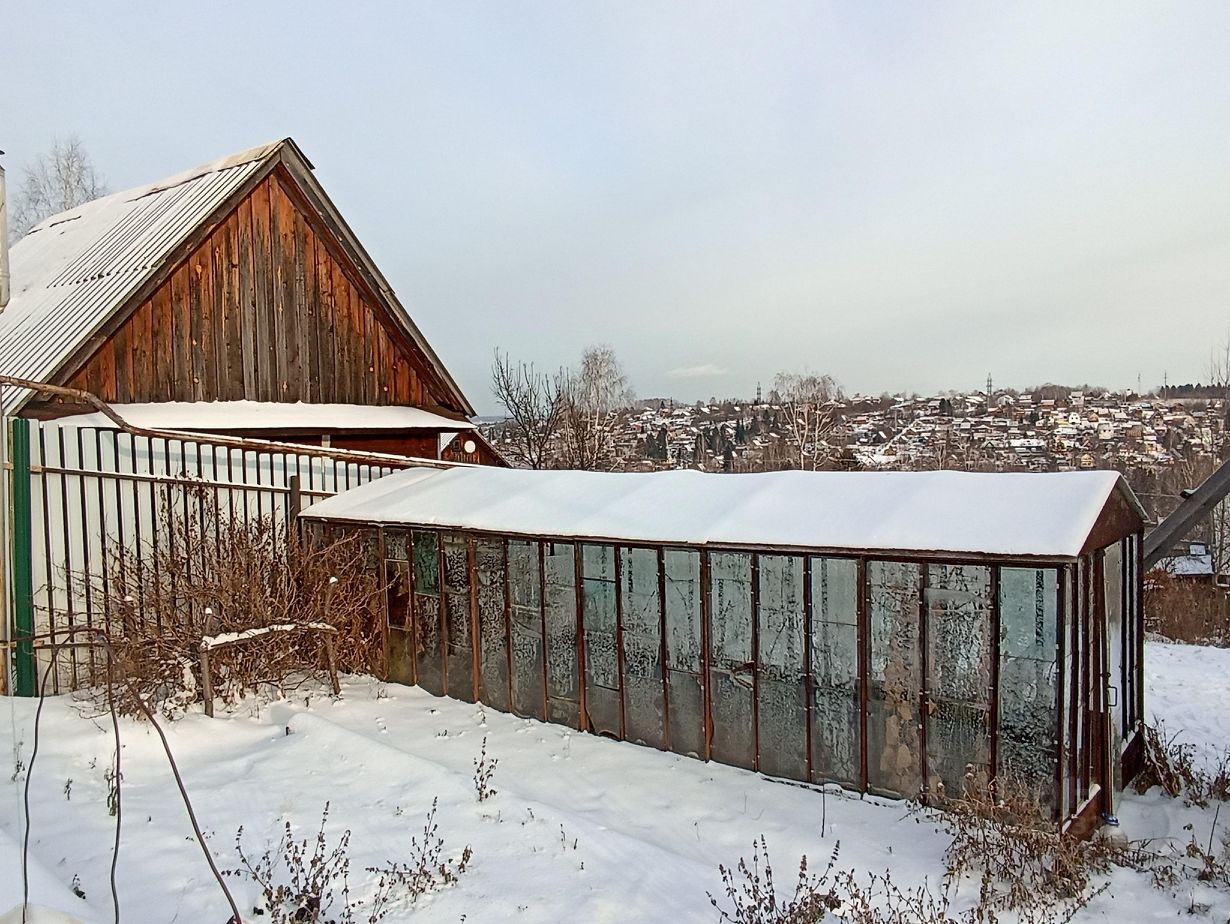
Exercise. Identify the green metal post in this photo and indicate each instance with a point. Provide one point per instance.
(23, 567)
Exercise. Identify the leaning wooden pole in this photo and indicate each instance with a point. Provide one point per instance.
(1194, 508)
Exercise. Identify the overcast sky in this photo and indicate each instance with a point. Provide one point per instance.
(906, 196)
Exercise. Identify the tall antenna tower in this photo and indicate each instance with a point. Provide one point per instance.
(990, 386)
(758, 393)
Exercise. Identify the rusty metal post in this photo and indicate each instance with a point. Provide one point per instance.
(207, 686)
(331, 655)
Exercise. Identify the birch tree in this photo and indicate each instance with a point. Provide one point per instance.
(812, 414)
(58, 180)
(592, 394)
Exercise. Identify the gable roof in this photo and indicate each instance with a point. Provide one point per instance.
(1046, 515)
(76, 272)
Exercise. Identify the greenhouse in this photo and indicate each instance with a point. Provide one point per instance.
(901, 634)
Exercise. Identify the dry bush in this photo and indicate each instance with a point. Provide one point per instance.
(1005, 838)
(1186, 611)
(302, 881)
(753, 896)
(1171, 764)
(427, 870)
(208, 573)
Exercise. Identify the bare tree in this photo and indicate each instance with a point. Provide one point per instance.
(60, 179)
(812, 406)
(534, 402)
(592, 394)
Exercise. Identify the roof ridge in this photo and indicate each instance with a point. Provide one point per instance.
(258, 153)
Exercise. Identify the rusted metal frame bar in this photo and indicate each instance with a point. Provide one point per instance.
(923, 584)
(706, 654)
(71, 608)
(755, 610)
(103, 541)
(442, 588)
(578, 553)
(138, 543)
(505, 587)
(230, 491)
(1086, 650)
(908, 556)
(153, 515)
(1098, 693)
(864, 671)
(221, 440)
(412, 608)
(476, 665)
(187, 516)
(620, 661)
(663, 654)
(201, 513)
(85, 548)
(50, 588)
(1138, 620)
(174, 480)
(808, 684)
(1075, 701)
(383, 571)
(996, 652)
(542, 621)
(1062, 618)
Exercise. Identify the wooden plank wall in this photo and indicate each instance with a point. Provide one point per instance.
(267, 308)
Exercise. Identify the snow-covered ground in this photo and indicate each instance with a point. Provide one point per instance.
(581, 828)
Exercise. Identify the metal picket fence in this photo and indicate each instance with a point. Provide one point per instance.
(78, 495)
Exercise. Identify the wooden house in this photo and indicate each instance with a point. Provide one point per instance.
(894, 632)
(232, 298)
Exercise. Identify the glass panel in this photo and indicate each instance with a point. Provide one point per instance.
(559, 563)
(601, 657)
(1028, 694)
(780, 688)
(894, 679)
(959, 677)
(395, 544)
(731, 676)
(835, 671)
(428, 633)
(683, 651)
(1068, 626)
(1112, 582)
(458, 639)
(527, 650)
(401, 656)
(397, 593)
(493, 632)
(426, 564)
(644, 704)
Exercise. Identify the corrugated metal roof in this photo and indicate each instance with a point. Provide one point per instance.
(74, 269)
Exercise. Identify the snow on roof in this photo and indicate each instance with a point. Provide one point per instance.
(72, 270)
(260, 415)
(1022, 514)
(1193, 565)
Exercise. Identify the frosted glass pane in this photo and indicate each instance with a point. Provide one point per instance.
(894, 758)
(781, 691)
(959, 676)
(835, 671)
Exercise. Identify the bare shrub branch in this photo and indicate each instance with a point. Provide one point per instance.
(209, 573)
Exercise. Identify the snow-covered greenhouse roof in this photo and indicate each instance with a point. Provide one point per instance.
(1046, 515)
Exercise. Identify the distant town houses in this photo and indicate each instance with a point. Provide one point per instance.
(1048, 430)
